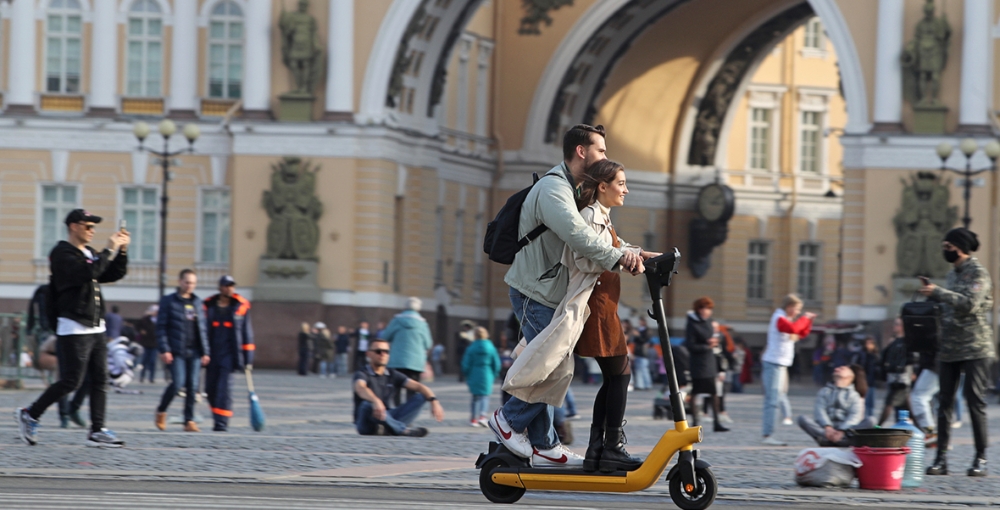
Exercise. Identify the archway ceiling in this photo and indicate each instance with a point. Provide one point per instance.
(637, 72)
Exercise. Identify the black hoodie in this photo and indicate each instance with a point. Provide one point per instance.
(75, 281)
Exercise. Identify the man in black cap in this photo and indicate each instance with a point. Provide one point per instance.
(230, 338)
(966, 344)
(77, 315)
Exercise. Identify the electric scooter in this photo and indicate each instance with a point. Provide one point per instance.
(504, 477)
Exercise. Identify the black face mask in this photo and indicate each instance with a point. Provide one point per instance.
(950, 256)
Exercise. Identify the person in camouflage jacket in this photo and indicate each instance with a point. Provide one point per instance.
(966, 344)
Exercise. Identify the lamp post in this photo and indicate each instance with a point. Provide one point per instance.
(969, 147)
(167, 128)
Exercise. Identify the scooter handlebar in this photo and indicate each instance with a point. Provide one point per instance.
(661, 269)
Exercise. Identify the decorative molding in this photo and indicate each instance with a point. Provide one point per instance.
(536, 12)
(382, 59)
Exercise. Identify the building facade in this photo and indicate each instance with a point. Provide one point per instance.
(429, 113)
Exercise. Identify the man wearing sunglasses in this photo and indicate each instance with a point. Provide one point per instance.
(77, 315)
(375, 384)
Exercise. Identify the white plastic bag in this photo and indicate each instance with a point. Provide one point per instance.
(825, 467)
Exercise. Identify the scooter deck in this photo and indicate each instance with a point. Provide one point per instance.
(560, 472)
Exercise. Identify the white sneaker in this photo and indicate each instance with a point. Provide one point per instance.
(558, 456)
(771, 441)
(724, 418)
(956, 425)
(787, 421)
(516, 442)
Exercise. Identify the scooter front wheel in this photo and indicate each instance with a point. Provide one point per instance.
(699, 497)
(493, 491)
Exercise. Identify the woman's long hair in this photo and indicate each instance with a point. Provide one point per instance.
(860, 381)
(603, 171)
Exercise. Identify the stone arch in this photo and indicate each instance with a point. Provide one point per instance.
(565, 64)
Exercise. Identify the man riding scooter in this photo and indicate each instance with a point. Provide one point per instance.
(230, 336)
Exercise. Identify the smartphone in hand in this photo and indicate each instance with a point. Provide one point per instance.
(121, 225)
(924, 280)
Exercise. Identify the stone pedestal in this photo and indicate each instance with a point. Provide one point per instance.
(294, 107)
(287, 280)
(929, 119)
(904, 289)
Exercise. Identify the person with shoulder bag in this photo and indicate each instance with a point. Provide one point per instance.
(966, 345)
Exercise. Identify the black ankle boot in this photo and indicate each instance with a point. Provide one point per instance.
(614, 457)
(592, 459)
(940, 466)
(719, 427)
(978, 466)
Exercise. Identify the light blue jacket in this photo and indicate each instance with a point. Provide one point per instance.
(410, 338)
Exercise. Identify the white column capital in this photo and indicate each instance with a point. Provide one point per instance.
(340, 58)
(888, 71)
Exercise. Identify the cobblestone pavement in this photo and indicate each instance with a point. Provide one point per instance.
(310, 439)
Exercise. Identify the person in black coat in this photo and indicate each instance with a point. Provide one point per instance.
(700, 338)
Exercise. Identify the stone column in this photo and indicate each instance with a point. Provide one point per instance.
(104, 70)
(888, 69)
(184, 61)
(257, 66)
(340, 62)
(21, 73)
(974, 105)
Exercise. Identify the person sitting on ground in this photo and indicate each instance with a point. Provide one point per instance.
(839, 406)
(374, 386)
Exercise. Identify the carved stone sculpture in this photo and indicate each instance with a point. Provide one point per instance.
(536, 12)
(301, 50)
(293, 208)
(923, 218)
(925, 57)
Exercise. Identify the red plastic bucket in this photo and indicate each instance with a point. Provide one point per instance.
(882, 468)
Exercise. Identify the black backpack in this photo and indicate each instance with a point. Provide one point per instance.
(501, 242)
(895, 358)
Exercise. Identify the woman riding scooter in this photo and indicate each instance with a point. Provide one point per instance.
(603, 187)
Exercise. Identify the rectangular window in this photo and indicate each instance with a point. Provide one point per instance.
(215, 226)
(144, 53)
(140, 209)
(757, 270)
(808, 271)
(809, 146)
(63, 32)
(225, 52)
(814, 35)
(760, 139)
(57, 201)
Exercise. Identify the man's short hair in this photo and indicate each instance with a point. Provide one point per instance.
(373, 340)
(580, 135)
(185, 272)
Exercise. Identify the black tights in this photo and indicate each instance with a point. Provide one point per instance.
(609, 406)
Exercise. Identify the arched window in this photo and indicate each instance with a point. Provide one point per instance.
(63, 31)
(144, 68)
(225, 51)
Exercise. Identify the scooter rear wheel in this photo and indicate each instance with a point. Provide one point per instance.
(493, 491)
(698, 498)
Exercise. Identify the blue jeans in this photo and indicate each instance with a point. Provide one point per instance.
(870, 401)
(535, 419)
(325, 368)
(640, 373)
(340, 364)
(480, 406)
(396, 419)
(149, 357)
(774, 378)
(569, 406)
(184, 371)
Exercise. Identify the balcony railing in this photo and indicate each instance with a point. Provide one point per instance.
(146, 274)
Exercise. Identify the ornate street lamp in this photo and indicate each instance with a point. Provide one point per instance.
(167, 128)
(969, 147)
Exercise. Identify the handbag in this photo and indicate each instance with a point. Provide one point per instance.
(921, 325)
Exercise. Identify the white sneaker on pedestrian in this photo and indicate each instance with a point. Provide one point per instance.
(771, 441)
(787, 421)
(484, 421)
(557, 456)
(516, 442)
(475, 423)
(724, 418)
(956, 424)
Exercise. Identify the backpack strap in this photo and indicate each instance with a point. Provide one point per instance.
(539, 230)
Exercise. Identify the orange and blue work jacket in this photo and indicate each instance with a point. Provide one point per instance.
(230, 331)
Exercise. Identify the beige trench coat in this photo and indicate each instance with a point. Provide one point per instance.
(543, 370)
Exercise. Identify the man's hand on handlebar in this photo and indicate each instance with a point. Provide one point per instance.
(646, 255)
(631, 262)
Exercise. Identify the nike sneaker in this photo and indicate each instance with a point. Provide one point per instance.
(516, 442)
(558, 456)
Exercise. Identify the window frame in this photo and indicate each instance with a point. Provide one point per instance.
(817, 130)
(40, 251)
(145, 39)
(765, 286)
(199, 227)
(226, 43)
(768, 97)
(65, 13)
(135, 250)
(817, 100)
(817, 260)
(814, 29)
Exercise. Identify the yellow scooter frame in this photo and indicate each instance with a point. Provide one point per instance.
(504, 477)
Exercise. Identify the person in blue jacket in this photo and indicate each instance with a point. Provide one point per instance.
(481, 366)
(410, 337)
(230, 338)
(182, 338)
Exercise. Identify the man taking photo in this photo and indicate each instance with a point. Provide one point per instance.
(77, 314)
